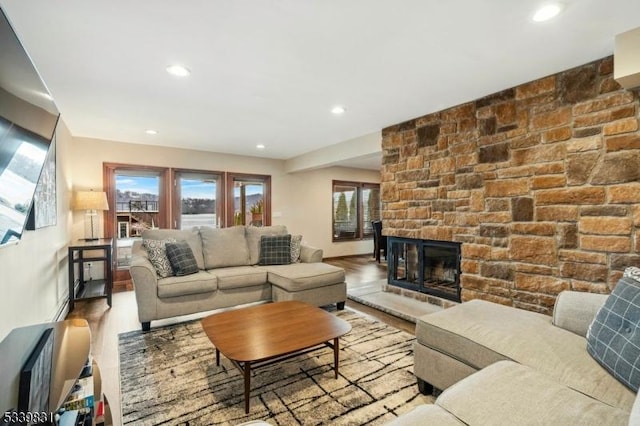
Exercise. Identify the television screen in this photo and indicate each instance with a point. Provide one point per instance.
(35, 382)
(28, 119)
(22, 155)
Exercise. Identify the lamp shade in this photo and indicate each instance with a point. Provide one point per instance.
(90, 200)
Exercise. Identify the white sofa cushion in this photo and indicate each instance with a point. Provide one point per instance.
(201, 282)
(224, 247)
(240, 276)
(304, 276)
(510, 393)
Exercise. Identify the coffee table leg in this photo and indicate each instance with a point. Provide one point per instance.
(217, 357)
(247, 385)
(336, 355)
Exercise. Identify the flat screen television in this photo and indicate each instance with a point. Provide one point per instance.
(28, 118)
(35, 382)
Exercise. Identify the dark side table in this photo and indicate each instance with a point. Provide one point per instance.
(81, 252)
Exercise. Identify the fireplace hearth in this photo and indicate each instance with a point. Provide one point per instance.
(426, 266)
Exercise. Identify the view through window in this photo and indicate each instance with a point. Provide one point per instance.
(355, 205)
(137, 209)
(198, 200)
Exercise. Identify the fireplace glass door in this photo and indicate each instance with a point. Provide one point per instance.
(427, 266)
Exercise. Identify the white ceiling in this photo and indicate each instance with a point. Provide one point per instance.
(269, 71)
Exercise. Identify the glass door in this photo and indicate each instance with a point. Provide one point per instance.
(137, 209)
(248, 200)
(197, 200)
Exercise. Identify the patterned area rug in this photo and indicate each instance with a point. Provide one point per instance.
(169, 376)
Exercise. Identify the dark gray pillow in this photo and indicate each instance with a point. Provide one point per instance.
(613, 338)
(182, 259)
(275, 250)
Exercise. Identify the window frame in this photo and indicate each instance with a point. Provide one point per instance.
(360, 233)
(230, 179)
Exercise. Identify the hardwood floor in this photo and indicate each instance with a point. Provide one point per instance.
(106, 323)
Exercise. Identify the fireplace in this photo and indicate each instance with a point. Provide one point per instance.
(426, 266)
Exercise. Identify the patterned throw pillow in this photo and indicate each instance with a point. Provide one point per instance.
(275, 250)
(613, 338)
(632, 272)
(296, 242)
(157, 252)
(181, 258)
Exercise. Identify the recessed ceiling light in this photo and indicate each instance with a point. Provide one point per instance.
(151, 132)
(547, 12)
(178, 70)
(260, 146)
(338, 109)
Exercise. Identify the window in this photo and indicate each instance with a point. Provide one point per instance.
(251, 200)
(137, 201)
(196, 196)
(355, 205)
(148, 197)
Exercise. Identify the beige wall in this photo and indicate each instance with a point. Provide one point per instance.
(34, 283)
(301, 201)
(34, 271)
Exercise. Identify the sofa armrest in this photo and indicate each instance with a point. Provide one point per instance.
(310, 254)
(574, 310)
(145, 284)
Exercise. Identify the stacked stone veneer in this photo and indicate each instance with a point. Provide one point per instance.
(540, 183)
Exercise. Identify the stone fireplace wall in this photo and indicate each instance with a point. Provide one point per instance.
(539, 182)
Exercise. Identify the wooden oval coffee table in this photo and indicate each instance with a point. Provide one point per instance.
(264, 334)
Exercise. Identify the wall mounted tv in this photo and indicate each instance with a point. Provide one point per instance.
(28, 119)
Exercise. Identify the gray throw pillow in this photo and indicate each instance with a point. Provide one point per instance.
(181, 258)
(275, 250)
(157, 252)
(613, 338)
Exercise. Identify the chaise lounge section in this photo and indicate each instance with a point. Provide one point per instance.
(501, 365)
(230, 272)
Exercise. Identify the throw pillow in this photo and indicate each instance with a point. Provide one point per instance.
(181, 258)
(296, 243)
(613, 338)
(157, 252)
(275, 250)
(632, 272)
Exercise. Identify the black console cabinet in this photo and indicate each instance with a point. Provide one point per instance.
(82, 252)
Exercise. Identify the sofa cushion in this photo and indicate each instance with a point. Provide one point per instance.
(191, 237)
(634, 420)
(224, 247)
(296, 246)
(614, 335)
(198, 283)
(479, 333)
(426, 414)
(157, 254)
(181, 257)
(275, 250)
(507, 393)
(240, 276)
(304, 276)
(253, 234)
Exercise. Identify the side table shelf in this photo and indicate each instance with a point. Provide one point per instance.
(80, 253)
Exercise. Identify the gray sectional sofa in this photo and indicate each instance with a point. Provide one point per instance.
(229, 275)
(501, 365)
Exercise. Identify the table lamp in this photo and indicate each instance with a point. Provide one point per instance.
(91, 201)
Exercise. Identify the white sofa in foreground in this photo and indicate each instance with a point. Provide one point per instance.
(499, 365)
